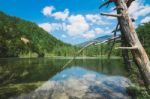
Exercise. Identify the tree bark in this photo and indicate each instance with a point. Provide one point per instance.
(125, 54)
(139, 54)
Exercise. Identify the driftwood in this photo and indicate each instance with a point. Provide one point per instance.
(131, 39)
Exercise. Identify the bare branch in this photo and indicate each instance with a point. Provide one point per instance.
(116, 38)
(114, 41)
(116, 30)
(111, 15)
(104, 4)
(118, 7)
(129, 3)
(127, 48)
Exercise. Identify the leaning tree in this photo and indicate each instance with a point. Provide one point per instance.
(129, 38)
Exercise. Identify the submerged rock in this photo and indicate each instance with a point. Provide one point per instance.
(78, 83)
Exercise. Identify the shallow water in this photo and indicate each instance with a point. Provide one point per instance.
(82, 79)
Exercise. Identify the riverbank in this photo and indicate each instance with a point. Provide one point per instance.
(137, 90)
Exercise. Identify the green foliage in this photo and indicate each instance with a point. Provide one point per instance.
(144, 35)
(138, 92)
(102, 49)
(64, 50)
(12, 29)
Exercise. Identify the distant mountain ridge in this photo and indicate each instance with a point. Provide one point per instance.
(101, 38)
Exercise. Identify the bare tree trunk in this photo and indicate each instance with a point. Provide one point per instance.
(138, 52)
(125, 55)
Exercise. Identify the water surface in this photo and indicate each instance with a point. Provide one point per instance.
(44, 78)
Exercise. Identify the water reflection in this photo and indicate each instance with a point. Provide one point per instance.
(79, 83)
(28, 72)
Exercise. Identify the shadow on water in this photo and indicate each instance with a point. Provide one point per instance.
(20, 76)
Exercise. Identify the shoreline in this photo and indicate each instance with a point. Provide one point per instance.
(68, 57)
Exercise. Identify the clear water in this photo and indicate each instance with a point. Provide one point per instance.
(82, 79)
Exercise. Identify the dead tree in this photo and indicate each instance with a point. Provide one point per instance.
(125, 54)
(130, 39)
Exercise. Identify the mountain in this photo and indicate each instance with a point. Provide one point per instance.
(102, 38)
(18, 36)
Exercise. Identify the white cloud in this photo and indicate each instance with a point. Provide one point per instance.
(63, 36)
(46, 26)
(49, 27)
(107, 31)
(61, 15)
(98, 31)
(77, 25)
(92, 18)
(146, 19)
(92, 33)
(138, 9)
(89, 34)
(144, 11)
(95, 19)
(47, 11)
(56, 26)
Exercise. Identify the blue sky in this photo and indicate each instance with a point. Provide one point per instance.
(72, 21)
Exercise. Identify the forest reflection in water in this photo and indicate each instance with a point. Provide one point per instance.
(26, 75)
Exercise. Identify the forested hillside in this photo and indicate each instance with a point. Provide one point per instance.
(18, 36)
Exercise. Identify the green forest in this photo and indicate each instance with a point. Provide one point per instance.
(19, 37)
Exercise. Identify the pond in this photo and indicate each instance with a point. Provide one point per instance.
(44, 78)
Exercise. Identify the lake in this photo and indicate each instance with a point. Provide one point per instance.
(44, 78)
